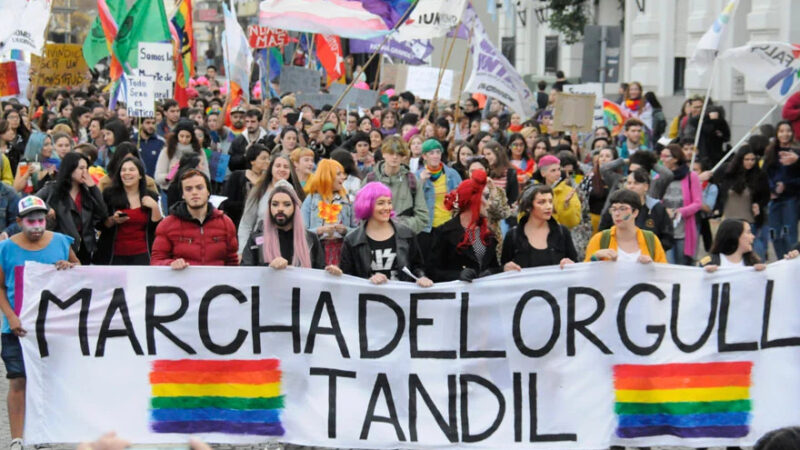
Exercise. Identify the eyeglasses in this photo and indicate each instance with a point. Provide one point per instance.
(620, 209)
(517, 144)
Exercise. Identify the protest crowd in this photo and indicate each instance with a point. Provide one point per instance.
(406, 189)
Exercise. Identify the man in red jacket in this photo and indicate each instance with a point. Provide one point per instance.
(195, 233)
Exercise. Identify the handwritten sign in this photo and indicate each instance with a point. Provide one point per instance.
(61, 66)
(140, 96)
(266, 37)
(8, 79)
(155, 61)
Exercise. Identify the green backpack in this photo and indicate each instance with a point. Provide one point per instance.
(649, 239)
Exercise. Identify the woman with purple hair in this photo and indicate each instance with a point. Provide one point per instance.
(281, 239)
(381, 249)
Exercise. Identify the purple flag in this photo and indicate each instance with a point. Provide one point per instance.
(411, 52)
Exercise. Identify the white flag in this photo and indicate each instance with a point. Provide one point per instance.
(25, 25)
(431, 19)
(708, 45)
(772, 65)
(492, 74)
(236, 50)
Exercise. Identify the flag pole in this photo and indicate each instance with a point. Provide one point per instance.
(457, 114)
(703, 112)
(385, 40)
(445, 60)
(747, 135)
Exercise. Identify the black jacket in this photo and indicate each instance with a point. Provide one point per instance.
(105, 244)
(254, 256)
(517, 248)
(447, 261)
(69, 220)
(235, 189)
(653, 219)
(356, 257)
(714, 259)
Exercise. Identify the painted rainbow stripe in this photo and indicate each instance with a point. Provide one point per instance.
(216, 396)
(613, 116)
(684, 400)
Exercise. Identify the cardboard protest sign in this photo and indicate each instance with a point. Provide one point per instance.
(593, 355)
(23, 80)
(155, 61)
(299, 80)
(61, 66)
(266, 37)
(364, 98)
(8, 79)
(573, 112)
(316, 100)
(421, 80)
(595, 89)
(140, 98)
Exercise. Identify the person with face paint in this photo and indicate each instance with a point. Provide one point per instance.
(281, 240)
(381, 249)
(37, 244)
(625, 241)
(464, 248)
(538, 240)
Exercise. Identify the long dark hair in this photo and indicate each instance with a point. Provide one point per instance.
(119, 130)
(345, 158)
(771, 154)
(739, 177)
(501, 164)
(115, 195)
(727, 240)
(514, 137)
(69, 163)
(21, 130)
(123, 151)
(261, 187)
(172, 144)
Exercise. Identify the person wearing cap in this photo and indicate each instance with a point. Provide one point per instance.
(237, 119)
(253, 132)
(33, 243)
(464, 248)
(566, 200)
(438, 180)
(327, 142)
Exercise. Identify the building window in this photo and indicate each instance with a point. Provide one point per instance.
(550, 54)
(678, 85)
(508, 46)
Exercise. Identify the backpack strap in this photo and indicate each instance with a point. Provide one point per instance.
(605, 239)
(371, 177)
(650, 240)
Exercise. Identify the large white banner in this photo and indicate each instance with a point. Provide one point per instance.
(493, 75)
(581, 358)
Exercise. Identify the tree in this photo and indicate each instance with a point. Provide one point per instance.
(568, 17)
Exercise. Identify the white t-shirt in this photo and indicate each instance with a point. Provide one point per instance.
(622, 255)
(725, 262)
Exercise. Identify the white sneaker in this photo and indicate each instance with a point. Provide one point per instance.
(16, 444)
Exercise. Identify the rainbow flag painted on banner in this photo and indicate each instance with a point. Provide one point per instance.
(216, 396)
(684, 400)
(613, 116)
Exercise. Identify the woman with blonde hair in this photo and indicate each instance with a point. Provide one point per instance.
(327, 210)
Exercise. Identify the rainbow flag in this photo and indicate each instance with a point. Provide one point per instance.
(182, 30)
(110, 30)
(613, 116)
(216, 396)
(685, 400)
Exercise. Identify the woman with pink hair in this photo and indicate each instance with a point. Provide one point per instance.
(381, 249)
(281, 239)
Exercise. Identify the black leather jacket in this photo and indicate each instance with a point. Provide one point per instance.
(356, 257)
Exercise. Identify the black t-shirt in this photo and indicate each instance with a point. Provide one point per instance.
(286, 241)
(383, 257)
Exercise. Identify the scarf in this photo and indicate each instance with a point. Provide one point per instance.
(435, 173)
(633, 105)
(681, 171)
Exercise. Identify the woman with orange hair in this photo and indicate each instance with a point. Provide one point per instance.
(464, 248)
(327, 210)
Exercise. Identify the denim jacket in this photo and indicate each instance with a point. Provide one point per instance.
(453, 179)
(8, 210)
(311, 218)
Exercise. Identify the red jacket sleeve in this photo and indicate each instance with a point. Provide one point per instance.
(161, 254)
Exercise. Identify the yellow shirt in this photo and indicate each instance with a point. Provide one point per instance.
(440, 215)
(594, 245)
